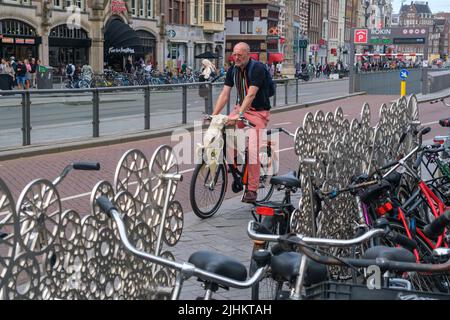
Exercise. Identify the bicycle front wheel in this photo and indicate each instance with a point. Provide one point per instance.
(208, 189)
(268, 168)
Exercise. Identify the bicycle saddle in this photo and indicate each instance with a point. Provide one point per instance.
(393, 254)
(287, 264)
(287, 180)
(373, 193)
(219, 264)
(394, 178)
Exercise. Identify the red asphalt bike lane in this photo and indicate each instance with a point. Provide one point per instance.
(75, 188)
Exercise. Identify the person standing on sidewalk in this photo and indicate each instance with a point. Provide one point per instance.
(21, 73)
(252, 103)
(33, 72)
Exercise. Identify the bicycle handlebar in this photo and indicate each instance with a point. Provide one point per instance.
(303, 242)
(312, 241)
(76, 166)
(187, 269)
(244, 120)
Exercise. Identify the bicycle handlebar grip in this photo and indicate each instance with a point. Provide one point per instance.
(402, 240)
(105, 204)
(437, 226)
(425, 131)
(86, 166)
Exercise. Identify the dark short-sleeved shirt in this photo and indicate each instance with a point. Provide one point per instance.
(261, 101)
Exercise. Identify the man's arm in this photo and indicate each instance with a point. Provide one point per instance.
(222, 100)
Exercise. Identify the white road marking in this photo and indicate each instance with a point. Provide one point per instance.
(430, 123)
(281, 124)
(81, 195)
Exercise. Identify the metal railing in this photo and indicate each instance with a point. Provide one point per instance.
(289, 88)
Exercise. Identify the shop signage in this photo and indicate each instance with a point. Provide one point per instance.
(118, 6)
(361, 36)
(7, 40)
(303, 44)
(171, 33)
(121, 50)
(384, 32)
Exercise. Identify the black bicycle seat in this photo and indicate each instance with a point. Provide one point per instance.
(219, 264)
(393, 254)
(374, 192)
(288, 180)
(287, 265)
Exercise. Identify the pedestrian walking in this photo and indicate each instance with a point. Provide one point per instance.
(208, 70)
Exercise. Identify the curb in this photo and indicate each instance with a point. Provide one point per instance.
(30, 151)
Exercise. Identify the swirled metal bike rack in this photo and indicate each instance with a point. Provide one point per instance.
(49, 254)
(334, 148)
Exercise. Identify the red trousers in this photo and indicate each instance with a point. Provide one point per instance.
(260, 120)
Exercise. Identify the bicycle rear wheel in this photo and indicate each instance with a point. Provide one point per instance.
(421, 281)
(207, 191)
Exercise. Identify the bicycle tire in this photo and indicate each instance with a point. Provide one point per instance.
(195, 186)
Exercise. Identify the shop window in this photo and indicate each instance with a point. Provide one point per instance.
(16, 27)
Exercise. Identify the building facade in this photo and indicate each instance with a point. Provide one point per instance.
(257, 23)
(106, 33)
(418, 14)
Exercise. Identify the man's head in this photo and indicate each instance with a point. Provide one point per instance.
(241, 54)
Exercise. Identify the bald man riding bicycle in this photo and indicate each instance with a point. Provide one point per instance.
(252, 103)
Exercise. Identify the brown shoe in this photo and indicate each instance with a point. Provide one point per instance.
(249, 196)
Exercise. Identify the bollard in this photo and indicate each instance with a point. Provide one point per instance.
(95, 113)
(26, 119)
(286, 90)
(403, 88)
(275, 96)
(184, 105)
(210, 98)
(147, 108)
(296, 90)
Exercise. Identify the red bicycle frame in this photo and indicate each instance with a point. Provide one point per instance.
(437, 207)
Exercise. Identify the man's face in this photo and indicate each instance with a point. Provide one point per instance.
(241, 56)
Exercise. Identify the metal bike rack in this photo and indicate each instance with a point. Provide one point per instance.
(49, 254)
(341, 148)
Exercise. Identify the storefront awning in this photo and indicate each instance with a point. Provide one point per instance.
(120, 38)
(275, 57)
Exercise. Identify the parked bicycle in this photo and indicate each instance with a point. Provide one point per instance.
(305, 272)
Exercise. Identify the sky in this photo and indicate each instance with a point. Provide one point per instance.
(435, 5)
